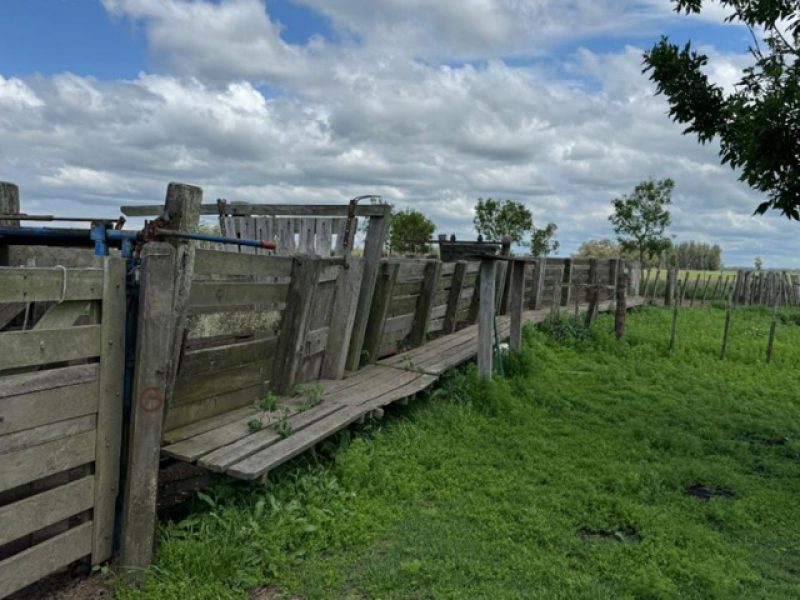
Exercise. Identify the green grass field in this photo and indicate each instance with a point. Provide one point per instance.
(597, 469)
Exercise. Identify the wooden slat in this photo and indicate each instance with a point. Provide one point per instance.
(40, 461)
(222, 458)
(29, 348)
(403, 305)
(401, 323)
(47, 285)
(180, 416)
(193, 387)
(43, 559)
(182, 433)
(46, 397)
(26, 438)
(245, 209)
(47, 508)
(410, 270)
(205, 294)
(63, 315)
(109, 409)
(207, 360)
(217, 262)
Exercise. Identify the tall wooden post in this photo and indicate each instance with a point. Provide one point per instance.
(516, 303)
(348, 285)
(381, 299)
(153, 355)
(670, 293)
(538, 283)
(182, 211)
(566, 283)
(486, 318)
(621, 308)
(373, 248)
(9, 205)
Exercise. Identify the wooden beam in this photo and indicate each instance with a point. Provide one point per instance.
(153, 356)
(422, 314)
(516, 304)
(295, 323)
(9, 205)
(241, 209)
(343, 318)
(456, 287)
(377, 231)
(381, 300)
(486, 318)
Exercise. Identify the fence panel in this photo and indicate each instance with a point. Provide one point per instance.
(61, 376)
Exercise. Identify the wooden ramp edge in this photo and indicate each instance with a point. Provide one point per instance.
(229, 444)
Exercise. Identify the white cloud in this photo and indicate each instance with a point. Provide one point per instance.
(366, 119)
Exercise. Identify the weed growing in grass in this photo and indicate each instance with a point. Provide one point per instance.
(313, 394)
(283, 427)
(267, 403)
(599, 468)
(255, 424)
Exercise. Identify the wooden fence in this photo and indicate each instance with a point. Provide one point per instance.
(61, 377)
(219, 332)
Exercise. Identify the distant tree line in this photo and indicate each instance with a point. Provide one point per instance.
(685, 255)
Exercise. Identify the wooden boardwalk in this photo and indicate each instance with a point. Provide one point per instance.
(227, 443)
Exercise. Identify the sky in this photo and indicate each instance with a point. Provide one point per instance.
(429, 103)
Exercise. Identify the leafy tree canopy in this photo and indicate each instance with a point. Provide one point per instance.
(410, 231)
(641, 218)
(497, 219)
(758, 124)
(543, 240)
(604, 248)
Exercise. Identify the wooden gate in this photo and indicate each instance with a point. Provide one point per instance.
(61, 378)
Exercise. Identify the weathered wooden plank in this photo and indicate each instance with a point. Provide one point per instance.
(343, 315)
(516, 304)
(220, 459)
(63, 315)
(205, 294)
(180, 416)
(35, 407)
(486, 318)
(43, 559)
(218, 262)
(410, 270)
(110, 408)
(30, 284)
(192, 387)
(46, 508)
(196, 428)
(245, 209)
(381, 300)
(29, 348)
(409, 288)
(27, 465)
(153, 356)
(422, 314)
(295, 323)
(373, 247)
(402, 305)
(208, 360)
(400, 323)
(456, 290)
(19, 440)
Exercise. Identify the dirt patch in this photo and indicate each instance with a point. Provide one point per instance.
(66, 586)
(705, 493)
(621, 534)
(270, 593)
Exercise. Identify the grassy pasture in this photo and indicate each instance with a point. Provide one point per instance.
(597, 469)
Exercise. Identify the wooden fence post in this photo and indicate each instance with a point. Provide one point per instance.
(621, 307)
(516, 304)
(381, 299)
(9, 205)
(670, 293)
(655, 285)
(110, 408)
(454, 298)
(674, 330)
(153, 356)
(182, 210)
(486, 318)
(694, 289)
(373, 247)
(348, 285)
(773, 325)
(593, 292)
(422, 315)
(538, 283)
(566, 283)
(727, 329)
(306, 271)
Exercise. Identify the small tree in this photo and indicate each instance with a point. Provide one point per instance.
(641, 218)
(410, 231)
(542, 242)
(759, 263)
(604, 248)
(497, 219)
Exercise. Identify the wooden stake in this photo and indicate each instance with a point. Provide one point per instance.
(694, 289)
(674, 326)
(621, 307)
(516, 304)
(727, 330)
(486, 318)
(772, 328)
(9, 205)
